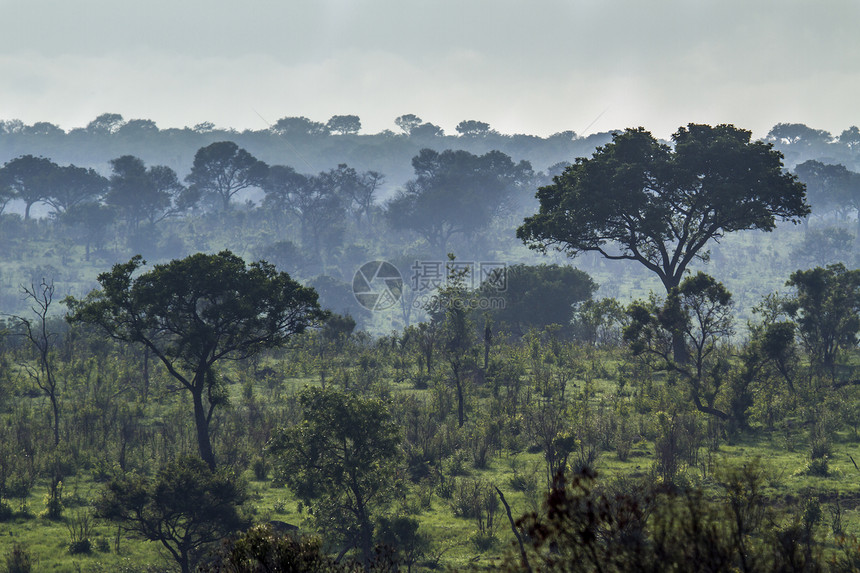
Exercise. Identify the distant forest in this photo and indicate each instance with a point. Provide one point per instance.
(319, 199)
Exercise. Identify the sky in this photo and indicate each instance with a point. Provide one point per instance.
(528, 66)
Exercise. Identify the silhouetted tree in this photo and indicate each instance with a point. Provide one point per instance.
(344, 124)
(299, 128)
(194, 312)
(637, 199)
(105, 124)
(140, 194)
(30, 179)
(222, 169)
(473, 128)
(455, 192)
(408, 122)
(73, 186)
(187, 507)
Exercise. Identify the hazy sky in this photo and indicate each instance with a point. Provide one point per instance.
(536, 66)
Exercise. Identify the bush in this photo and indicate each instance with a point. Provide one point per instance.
(6, 512)
(18, 560)
(80, 532)
(260, 468)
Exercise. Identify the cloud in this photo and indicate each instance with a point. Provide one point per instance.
(537, 67)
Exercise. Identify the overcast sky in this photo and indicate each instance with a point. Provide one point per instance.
(528, 66)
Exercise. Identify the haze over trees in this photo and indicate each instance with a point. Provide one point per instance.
(637, 199)
(193, 313)
(185, 401)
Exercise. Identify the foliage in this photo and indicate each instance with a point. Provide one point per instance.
(537, 296)
(639, 200)
(194, 312)
(18, 560)
(826, 308)
(221, 170)
(340, 461)
(698, 314)
(455, 192)
(186, 507)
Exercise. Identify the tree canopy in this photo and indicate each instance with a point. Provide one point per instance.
(455, 192)
(340, 459)
(186, 507)
(193, 312)
(638, 199)
(222, 169)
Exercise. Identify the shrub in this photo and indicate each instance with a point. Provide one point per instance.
(18, 560)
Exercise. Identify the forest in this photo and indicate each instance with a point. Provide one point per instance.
(309, 349)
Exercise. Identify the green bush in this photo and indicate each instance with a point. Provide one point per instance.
(18, 560)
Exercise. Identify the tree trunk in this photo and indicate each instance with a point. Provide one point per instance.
(56, 410)
(679, 345)
(461, 416)
(202, 423)
(679, 348)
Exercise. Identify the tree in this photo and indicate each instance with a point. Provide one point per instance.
(823, 247)
(356, 190)
(314, 200)
(798, 133)
(826, 309)
(427, 131)
(73, 186)
(137, 128)
(408, 122)
(699, 313)
(43, 341)
(450, 313)
(537, 296)
(299, 127)
(30, 179)
(455, 192)
(340, 460)
(599, 322)
(194, 312)
(222, 169)
(637, 199)
(141, 193)
(105, 124)
(473, 128)
(850, 137)
(90, 222)
(44, 128)
(187, 507)
(831, 188)
(344, 124)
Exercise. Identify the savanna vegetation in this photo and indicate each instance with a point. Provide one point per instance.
(644, 359)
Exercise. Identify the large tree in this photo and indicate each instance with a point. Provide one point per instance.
(826, 309)
(638, 199)
(222, 169)
(455, 192)
(75, 185)
(144, 194)
(194, 312)
(30, 178)
(831, 188)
